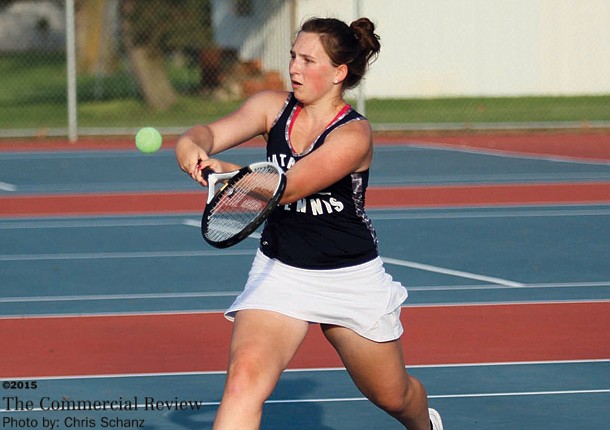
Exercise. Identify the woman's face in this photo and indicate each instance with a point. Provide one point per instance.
(311, 70)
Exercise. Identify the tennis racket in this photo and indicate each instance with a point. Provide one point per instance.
(245, 199)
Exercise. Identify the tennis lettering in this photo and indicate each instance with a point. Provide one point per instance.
(282, 160)
(321, 204)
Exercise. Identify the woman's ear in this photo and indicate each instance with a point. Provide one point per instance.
(340, 73)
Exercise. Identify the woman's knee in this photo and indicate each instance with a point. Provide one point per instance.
(395, 398)
(249, 375)
(391, 401)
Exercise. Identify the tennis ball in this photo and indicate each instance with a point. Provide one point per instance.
(148, 140)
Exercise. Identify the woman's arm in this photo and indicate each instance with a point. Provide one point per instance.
(346, 150)
(253, 118)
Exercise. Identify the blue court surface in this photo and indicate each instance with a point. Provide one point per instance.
(70, 266)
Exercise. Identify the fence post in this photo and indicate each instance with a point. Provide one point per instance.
(71, 68)
(361, 96)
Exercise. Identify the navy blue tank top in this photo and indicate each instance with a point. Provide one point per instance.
(328, 229)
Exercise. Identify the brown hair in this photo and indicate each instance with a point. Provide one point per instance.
(356, 45)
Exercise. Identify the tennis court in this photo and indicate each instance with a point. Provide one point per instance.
(109, 297)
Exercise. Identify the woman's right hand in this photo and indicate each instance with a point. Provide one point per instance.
(190, 155)
(217, 166)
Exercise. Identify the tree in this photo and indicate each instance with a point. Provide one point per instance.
(4, 3)
(151, 30)
(93, 44)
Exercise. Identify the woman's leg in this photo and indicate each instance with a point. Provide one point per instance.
(262, 345)
(378, 370)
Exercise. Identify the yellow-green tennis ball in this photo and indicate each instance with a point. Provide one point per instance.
(148, 140)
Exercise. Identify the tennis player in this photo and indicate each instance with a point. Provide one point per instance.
(318, 260)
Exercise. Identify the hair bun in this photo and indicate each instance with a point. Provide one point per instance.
(364, 31)
(362, 25)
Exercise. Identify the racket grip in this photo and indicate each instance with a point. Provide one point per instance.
(207, 171)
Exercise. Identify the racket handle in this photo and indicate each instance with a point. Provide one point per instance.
(207, 171)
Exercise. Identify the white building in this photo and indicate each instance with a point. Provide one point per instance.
(433, 48)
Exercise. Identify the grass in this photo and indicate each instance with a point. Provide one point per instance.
(489, 110)
(33, 96)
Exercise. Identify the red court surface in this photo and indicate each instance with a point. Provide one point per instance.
(386, 197)
(582, 144)
(592, 145)
(198, 342)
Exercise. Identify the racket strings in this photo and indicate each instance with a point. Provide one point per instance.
(241, 203)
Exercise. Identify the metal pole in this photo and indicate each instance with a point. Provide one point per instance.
(361, 96)
(71, 66)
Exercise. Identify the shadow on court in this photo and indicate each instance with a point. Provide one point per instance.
(286, 415)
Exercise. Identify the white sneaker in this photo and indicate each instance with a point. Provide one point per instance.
(435, 418)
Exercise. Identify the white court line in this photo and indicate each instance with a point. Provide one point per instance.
(114, 314)
(440, 146)
(105, 153)
(86, 223)
(478, 213)
(221, 311)
(305, 370)
(520, 393)
(376, 215)
(121, 255)
(211, 294)
(549, 285)
(90, 223)
(445, 396)
(216, 294)
(192, 223)
(7, 187)
(109, 297)
(451, 272)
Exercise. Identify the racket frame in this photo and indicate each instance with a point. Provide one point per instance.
(230, 178)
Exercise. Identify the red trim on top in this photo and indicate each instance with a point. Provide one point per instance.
(298, 109)
(340, 114)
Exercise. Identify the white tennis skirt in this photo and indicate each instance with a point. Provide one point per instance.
(363, 298)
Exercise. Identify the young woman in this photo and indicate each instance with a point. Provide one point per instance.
(318, 260)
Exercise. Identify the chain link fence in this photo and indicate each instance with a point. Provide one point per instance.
(174, 63)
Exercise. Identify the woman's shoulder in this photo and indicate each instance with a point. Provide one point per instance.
(267, 103)
(270, 98)
(355, 123)
(355, 132)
